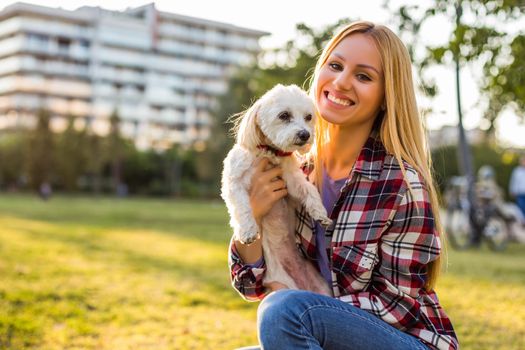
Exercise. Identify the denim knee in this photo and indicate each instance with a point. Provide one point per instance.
(277, 312)
(274, 306)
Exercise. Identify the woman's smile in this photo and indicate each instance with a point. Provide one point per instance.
(338, 100)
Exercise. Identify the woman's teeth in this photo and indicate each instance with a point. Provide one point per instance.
(338, 100)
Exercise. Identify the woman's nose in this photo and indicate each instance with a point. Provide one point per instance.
(343, 82)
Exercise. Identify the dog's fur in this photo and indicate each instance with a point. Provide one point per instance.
(265, 124)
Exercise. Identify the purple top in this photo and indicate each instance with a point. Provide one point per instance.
(329, 194)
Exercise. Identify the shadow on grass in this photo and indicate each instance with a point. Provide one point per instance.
(206, 220)
(207, 277)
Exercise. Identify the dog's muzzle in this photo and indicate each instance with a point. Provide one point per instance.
(302, 138)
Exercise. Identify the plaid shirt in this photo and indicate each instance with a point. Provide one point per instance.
(379, 248)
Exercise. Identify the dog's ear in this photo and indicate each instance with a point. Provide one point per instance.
(248, 134)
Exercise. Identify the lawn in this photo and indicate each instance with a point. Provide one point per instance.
(99, 273)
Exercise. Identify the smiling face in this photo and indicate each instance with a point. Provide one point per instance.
(350, 85)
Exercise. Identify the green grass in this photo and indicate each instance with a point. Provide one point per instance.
(98, 273)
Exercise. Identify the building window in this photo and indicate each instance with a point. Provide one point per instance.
(63, 42)
(84, 43)
(63, 45)
(37, 37)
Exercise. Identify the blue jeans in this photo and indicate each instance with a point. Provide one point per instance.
(296, 319)
(520, 201)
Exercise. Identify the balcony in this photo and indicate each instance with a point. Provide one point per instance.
(164, 97)
(52, 48)
(54, 28)
(55, 105)
(119, 75)
(122, 37)
(119, 57)
(42, 85)
(52, 67)
(11, 45)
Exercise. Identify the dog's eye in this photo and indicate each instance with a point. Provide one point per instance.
(308, 117)
(284, 116)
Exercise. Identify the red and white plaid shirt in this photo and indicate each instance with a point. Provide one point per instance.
(379, 249)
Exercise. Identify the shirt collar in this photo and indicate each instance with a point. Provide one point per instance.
(370, 161)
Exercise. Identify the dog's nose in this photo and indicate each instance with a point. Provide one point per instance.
(303, 135)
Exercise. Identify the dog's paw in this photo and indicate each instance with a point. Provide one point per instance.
(320, 215)
(248, 237)
(325, 221)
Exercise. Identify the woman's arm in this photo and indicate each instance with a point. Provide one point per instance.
(246, 278)
(247, 265)
(267, 187)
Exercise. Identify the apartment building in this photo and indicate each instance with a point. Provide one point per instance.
(161, 72)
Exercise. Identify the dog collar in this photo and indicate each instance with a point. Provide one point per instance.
(275, 151)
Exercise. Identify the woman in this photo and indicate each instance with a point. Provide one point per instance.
(371, 163)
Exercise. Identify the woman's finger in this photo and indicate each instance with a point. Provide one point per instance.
(278, 194)
(277, 185)
(261, 164)
(268, 175)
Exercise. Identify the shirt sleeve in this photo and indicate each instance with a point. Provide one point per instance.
(405, 249)
(247, 279)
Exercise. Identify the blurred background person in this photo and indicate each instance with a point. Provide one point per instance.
(517, 184)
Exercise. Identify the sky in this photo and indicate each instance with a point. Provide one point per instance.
(279, 18)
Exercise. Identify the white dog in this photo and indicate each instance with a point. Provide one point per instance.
(275, 126)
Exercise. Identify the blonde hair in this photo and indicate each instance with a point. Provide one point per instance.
(400, 129)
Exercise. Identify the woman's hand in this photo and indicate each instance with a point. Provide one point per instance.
(266, 189)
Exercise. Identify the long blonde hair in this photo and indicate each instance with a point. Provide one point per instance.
(400, 130)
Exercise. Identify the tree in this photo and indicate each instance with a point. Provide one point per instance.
(71, 155)
(12, 158)
(41, 160)
(115, 151)
(95, 159)
(483, 40)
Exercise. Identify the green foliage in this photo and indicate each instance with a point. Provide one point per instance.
(79, 160)
(506, 83)
(445, 163)
(115, 149)
(41, 158)
(93, 168)
(72, 154)
(12, 159)
(144, 171)
(482, 41)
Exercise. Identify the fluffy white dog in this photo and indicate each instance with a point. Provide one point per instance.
(276, 125)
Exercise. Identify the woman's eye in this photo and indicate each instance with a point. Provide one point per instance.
(363, 77)
(335, 66)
